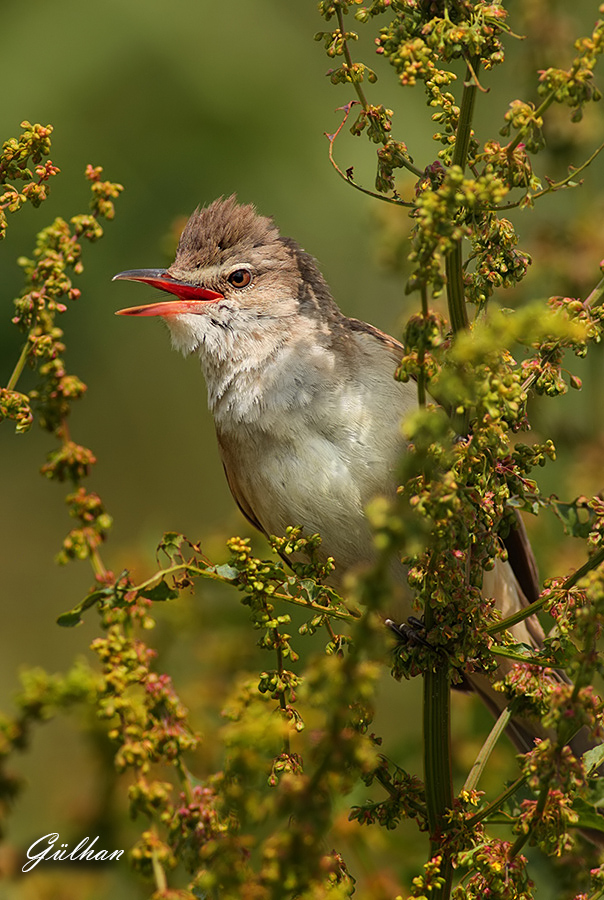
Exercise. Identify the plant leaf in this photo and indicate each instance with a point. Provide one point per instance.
(593, 759)
(575, 516)
(160, 593)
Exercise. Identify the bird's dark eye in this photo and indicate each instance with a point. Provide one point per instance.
(240, 278)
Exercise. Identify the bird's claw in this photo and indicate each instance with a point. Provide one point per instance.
(411, 631)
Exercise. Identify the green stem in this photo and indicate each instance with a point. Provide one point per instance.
(497, 803)
(184, 779)
(98, 566)
(592, 563)
(159, 875)
(395, 793)
(455, 289)
(281, 694)
(538, 112)
(20, 365)
(454, 262)
(357, 85)
(523, 838)
(466, 114)
(595, 298)
(555, 186)
(486, 750)
(214, 576)
(347, 176)
(437, 758)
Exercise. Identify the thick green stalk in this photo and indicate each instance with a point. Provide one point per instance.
(454, 263)
(437, 758)
(466, 114)
(437, 685)
(455, 289)
(437, 747)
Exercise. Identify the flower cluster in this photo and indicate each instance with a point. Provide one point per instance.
(575, 87)
(496, 260)
(94, 524)
(16, 160)
(405, 798)
(493, 873)
(444, 216)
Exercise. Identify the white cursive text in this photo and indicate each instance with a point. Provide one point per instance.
(85, 850)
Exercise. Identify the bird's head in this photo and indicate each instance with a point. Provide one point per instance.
(234, 277)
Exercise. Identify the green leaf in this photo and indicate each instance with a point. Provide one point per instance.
(593, 759)
(160, 593)
(69, 619)
(171, 544)
(522, 653)
(226, 571)
(575, 516)
(588, 816)
(74, 616)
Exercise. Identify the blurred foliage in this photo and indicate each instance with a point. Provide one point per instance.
(239, 800)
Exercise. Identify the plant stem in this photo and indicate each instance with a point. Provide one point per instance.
(19, 366)
(437, 757)
(159, 875)
(215, 576)
(395, 793)
(538, 113)
(592, 563)
(455, 290)
(281, 694)
(437, 688)
(555, 186)
(486, 750)
(466, 114)
(595, 297)
(523, 838)
(97, 563)
(454, 262)
(498, 802)
(184, 778)
(357, 85)
(347, 176)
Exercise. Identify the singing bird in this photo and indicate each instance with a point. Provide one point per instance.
(305, 404)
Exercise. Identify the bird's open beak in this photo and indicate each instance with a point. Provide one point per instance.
(191, 298)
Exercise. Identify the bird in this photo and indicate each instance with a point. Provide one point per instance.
(306, 407)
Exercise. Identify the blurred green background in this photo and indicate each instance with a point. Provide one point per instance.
(182, 102)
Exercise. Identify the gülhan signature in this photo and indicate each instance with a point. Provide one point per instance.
(85, 851)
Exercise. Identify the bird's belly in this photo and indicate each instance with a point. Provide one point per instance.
(320, 486)
(321, 493)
